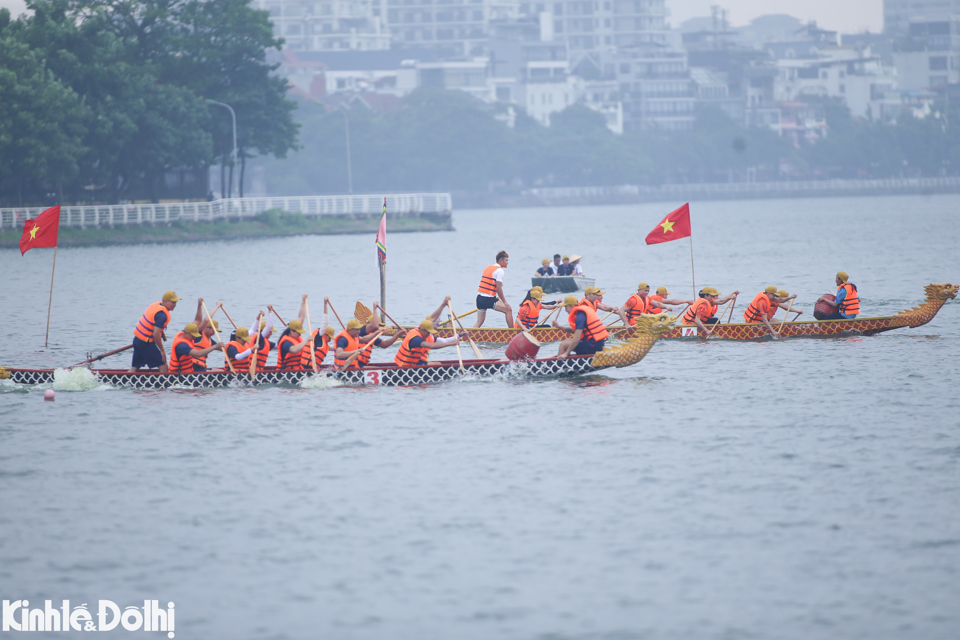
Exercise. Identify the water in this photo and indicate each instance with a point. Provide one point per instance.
(800, 489)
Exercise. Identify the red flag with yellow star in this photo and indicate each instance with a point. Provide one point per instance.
(675, 226)
(41, 231)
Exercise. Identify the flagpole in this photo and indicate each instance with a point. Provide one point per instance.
(383, 286)
(693, 274)
(46, 340)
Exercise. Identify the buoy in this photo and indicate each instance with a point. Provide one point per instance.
(49, 394)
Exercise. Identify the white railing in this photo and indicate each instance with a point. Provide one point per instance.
(165, 213)
(755, 189)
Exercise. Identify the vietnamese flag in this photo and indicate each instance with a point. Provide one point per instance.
(675, 226)
(41, 231)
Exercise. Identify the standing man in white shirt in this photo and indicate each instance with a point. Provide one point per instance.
(490, 293)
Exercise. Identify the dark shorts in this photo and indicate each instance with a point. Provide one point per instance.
(712, 320)
(588, 347)
(485, 302)
(146, 354)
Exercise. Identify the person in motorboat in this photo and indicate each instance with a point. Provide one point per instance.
(148, 335)
(529, 312)
(588, 335)
(556, 265)
(490, 292)
(545, 270)
(574, 267)
(704, 310)
(186, 354)
(563, 269)
(846, 304)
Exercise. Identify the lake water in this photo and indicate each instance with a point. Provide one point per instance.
(794, 489)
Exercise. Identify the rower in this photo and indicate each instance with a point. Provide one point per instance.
(639, 303)
(355, 336)
(847, 302)
(148, 335)
(545, 270)
(291, 342)
(186, 353)
(588, 332)
(418, 342)
(491, 288)
(529, 312)
(319, 341)
(661, 297)
(594, 297)
(206, 333)
(703, 311)
(759, 309)
(239, 349)
(266, 330)
(783, 296)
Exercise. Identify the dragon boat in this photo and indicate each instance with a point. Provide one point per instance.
(936, 297)
(642, 339)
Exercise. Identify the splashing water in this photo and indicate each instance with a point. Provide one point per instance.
(320, 381)
(78, 379)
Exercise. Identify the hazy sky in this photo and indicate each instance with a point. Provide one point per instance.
(848, 16)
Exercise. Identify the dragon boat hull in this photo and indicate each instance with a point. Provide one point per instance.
(937, 295)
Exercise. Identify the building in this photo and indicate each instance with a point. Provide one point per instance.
(325, 25)
(452, 28)
(655, 88)
(898, 14)
(319, 74)
(929, 57)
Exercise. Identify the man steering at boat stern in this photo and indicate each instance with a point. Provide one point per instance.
(148, 335)
(760, 309)
(490, 293)
(846, 304)
(588, 332)
(704, 310)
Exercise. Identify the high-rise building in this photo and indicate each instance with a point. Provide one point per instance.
(453, 28)
(325, 25)
(897, 14)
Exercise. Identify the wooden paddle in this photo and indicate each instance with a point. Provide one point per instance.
(362, 312)
(390, 318)
(464, 315)
(789, 307)
(313, 353)
(732, 307)
(210, 322)
(228, 317)
(342, 326)
(103, 355)
(476, 351)
(550, 315)
(282, 321)
(459, 356)
(256, 348)
(369, 345)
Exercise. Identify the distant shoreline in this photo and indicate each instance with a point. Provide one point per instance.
(226, 230)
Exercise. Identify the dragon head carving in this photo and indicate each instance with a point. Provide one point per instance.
(655, 325)
(648, 330)
(943, 291)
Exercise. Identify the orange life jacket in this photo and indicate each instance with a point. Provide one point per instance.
(410, 357)
(292, 360)
(319, 352)
(583, 301)
(759, 308)
(693, 311)
(851, 303)
(144, 328)
(640, 306)
(262, 352)
(594, 329)
(203, 343)
(529, 313)
(488, 286)
(352, 345)
(240, 366)
(182, 364)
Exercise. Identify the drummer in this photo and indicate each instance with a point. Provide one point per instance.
(490, 292)
(545, 270)
(529, 312)
(588, 333)
(846, 304)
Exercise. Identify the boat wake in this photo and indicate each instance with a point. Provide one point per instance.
(320, 381)
(76, 379)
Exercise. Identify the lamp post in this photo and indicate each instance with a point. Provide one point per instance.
(233, 115)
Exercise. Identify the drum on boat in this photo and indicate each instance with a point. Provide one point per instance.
(821, 310)
(523, 347)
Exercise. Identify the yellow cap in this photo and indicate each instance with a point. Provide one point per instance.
(216, 325)
(710, 291)
(643, 285)
(242, 333)
(570, 301)
(170, 296)
(840, 274)
(263, 325)
(566, 257)
(330, 331)
(770, 289)
(297, 326)
(662, 291)
(545, 261)
(427, 325)
(192, 330)
(590, 290)
(536, 294)
(353, 323)
(783, 293)
(600, 293)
